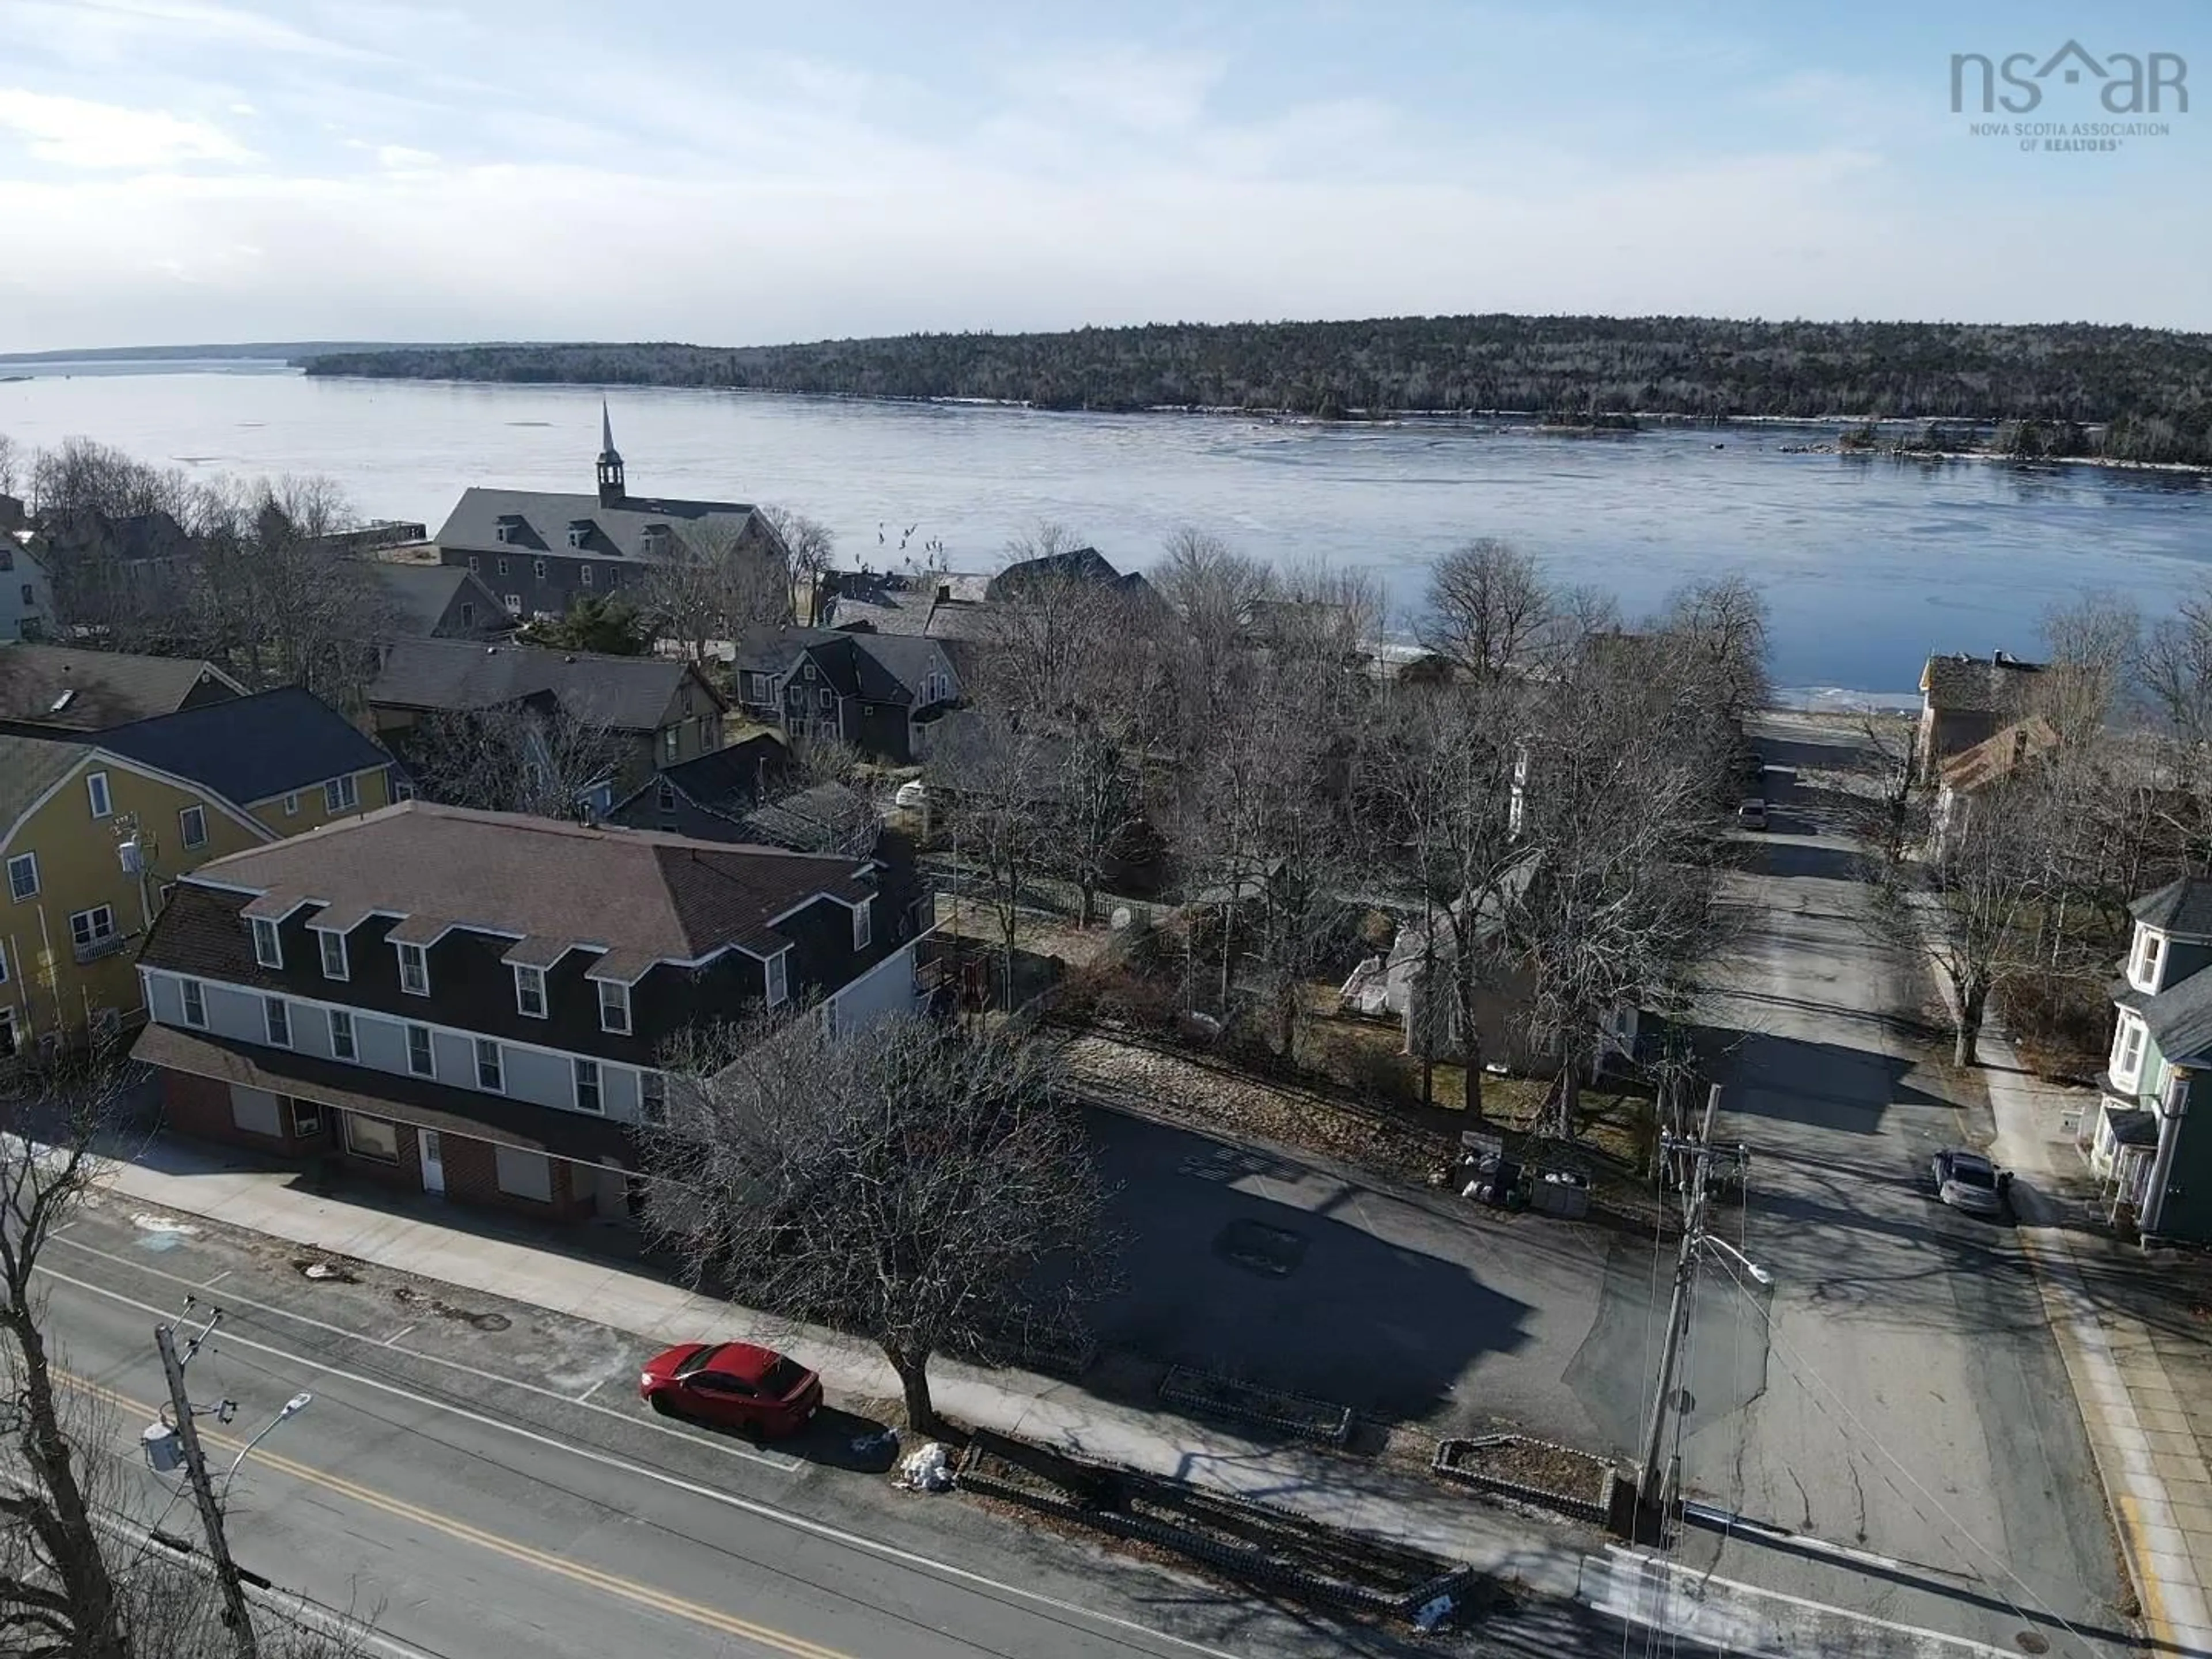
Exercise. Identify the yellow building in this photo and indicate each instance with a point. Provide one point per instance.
(96, 826)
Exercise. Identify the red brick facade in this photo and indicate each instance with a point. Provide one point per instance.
(200, 1107)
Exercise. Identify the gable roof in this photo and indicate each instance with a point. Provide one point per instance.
(29, 767)
(877, 667)
(639, 896)
(251, 749)
(539, 521)
(1081, 564)
(726, 781)
(420, 595)
(105, 688)
(133, 537)
(1993, 759)
(630, 694)
(2182, 907)
(1968, 685)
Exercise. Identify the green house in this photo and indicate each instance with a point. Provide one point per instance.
(2147, 1140)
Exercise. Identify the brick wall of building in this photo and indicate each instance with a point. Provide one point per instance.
(201, 1107)
(472, 1177)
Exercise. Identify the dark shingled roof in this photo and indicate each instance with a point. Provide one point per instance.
(1963, 684)
(878, 667)
(631, 694)
(111, 687)
(414, 1101)
(727, 780)
(635, 893)
(2183, 907)
(252, 749)
(540, 521)
(420, 595)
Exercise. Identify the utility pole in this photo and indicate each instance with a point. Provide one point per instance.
(235, 1612)
(1654, 1484)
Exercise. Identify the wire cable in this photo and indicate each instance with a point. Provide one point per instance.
(1805, 1371)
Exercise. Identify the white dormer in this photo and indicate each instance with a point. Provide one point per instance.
(2146, 960)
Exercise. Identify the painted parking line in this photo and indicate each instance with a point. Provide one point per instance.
(435, 1521)
(796, 1523)
(743, 1453)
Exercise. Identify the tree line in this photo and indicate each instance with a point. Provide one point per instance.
(2152, 387)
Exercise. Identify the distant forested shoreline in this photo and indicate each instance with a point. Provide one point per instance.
(2132, 394)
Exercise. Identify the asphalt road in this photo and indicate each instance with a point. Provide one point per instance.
(489, 1490)
(1907, 1398)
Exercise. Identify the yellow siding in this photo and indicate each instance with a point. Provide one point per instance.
(78, 870)
(373, 787)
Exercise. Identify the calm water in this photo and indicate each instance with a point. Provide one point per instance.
(1868, 565)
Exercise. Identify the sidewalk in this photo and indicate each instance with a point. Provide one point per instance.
(1545, 1559)
(2143, 1430)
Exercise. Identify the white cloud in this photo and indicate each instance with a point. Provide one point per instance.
(76, 132)
(244, 109)
(399, 158)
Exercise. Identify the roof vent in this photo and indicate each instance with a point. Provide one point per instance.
(568, 659)
(62, 702)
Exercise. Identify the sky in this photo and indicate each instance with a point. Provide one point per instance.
(185, 171)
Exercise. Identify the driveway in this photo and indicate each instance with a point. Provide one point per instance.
(1907, 1398)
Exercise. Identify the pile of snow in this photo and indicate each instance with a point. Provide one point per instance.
(927, 1470)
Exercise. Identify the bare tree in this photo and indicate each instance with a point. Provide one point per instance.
(81, 476)
(1977, 892)
(927, 1192)
(993, 771)
(809, 550)
(11, 466)
(2093, 644)
(1487, 607)
(1721, 623)
(518, 758)
(718, 582)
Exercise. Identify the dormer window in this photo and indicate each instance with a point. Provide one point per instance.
(580, 533)
(508, 529)
(656, 538)
(2149, 958)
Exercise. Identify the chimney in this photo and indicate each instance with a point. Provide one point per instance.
(2019, 745)
(945, 593)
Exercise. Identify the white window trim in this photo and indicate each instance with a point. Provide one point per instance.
(275, 957)
(644, 1075)
(342, 793)
(93, 935)
(577, 1066)
(292, 805)
(525, 974)
(4, 963)
(274, 1011)
(2148, 959)
(408, 1028)
(98, 795)
(352, 1035)
(2130, 1036)
(778, 979)
(498, 1066)
(614, 998)
(423, 956)
(31, 859)
(863, 926)
(185, 818)
(330, 939)
(186, 987)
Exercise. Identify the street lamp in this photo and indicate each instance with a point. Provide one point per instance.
(1748, 1265)
(292, 1407)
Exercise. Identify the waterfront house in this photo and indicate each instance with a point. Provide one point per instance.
(476, 1004)
(542, 550)
(93, 827)
(1965, 778)
(1964, 700)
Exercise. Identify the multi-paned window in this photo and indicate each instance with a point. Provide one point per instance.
(420, 1059)
(778, 988)
(268, 949)
(863, 924)
(334, 953)
(529, 991)
(24, 876)
(587, 1085)
(91, 930)
(614, 1007)
(277, 1018)
(414, 970)
(195, 996)
(653, 1096)
(489, 1073)
(342, 1045)
(342, 795)
(191, 826)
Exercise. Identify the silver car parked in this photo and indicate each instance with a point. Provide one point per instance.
(1967, 1181)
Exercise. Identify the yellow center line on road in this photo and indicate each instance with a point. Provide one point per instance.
(643, 1595)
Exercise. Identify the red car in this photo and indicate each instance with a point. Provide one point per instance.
(733, 1385)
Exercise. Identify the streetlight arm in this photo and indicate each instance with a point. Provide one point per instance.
(1748, 1265)
(297, 1403)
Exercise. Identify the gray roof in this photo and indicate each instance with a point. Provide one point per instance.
(251, 749)
(420, 595)
(541, 520)
(725, 782)
(631, 694)
(28, 768)
(1989, 685)
(109, 687)
(2182, 907)
(877, 667)
(2179, 1017)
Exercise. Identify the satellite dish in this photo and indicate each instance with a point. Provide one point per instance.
(1122, 918)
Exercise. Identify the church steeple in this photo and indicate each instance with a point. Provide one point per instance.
(610, 461)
